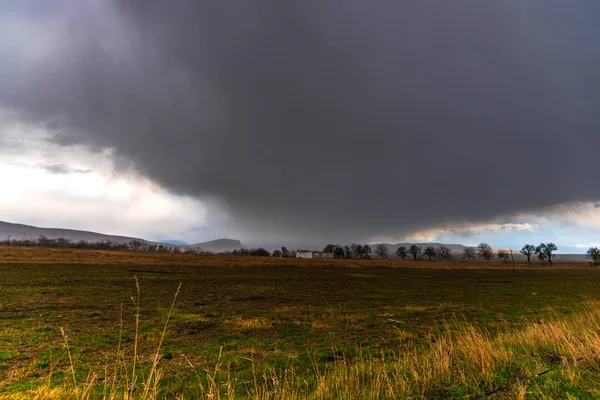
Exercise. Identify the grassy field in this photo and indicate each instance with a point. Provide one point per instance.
(287, 328)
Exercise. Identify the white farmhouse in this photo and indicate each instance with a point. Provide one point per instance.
(313, 254)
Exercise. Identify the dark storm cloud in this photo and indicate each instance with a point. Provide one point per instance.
(330, 120)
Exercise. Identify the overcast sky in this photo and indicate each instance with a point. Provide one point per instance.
(303, 122)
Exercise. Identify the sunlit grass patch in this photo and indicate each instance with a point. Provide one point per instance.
(414, 309)
(241, 322)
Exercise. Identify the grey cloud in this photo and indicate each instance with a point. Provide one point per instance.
(328, 120)
(62, 169)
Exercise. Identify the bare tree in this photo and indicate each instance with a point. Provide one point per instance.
(42, 240)
(358, 251)
(545, 251)
(135, 245)
(62, 242)
(485, 251)
(444, 253)
(191, 250)
(402, 252)
(329, 248)
(348, 251)
(469, 253)
(512, 259)
(528, 250)
(415, 251)
(367, 250)
(381, 250)
(429, 252)
(593, 254)
(339, 252)
(503, 255)
(354, 250)
(153, 248)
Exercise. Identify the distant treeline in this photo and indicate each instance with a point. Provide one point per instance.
(133, 245)
(544, 251)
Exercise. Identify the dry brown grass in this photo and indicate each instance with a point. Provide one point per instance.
(416, 308)
(37, 255)
(257, 315)
(454, 365)
(249, 323)
(320, 325)
(463, 357)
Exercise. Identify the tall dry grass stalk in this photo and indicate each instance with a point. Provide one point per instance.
(123, 383)
(461, 362)
(136, 302)
(153, 376)
(466, 361)
(66, 339)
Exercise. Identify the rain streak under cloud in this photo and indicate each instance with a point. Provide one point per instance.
(322, 120)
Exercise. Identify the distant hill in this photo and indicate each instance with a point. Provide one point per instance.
(28, 232)
(173, 241)
(216, 245)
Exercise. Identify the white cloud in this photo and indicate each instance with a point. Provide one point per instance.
(586, 246)
(574, 226)
(98, 200)
(584, 214)
(429, 235)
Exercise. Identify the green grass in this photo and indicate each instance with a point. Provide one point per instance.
(243, 322)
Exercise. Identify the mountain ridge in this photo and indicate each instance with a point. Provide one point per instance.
(19, 231)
